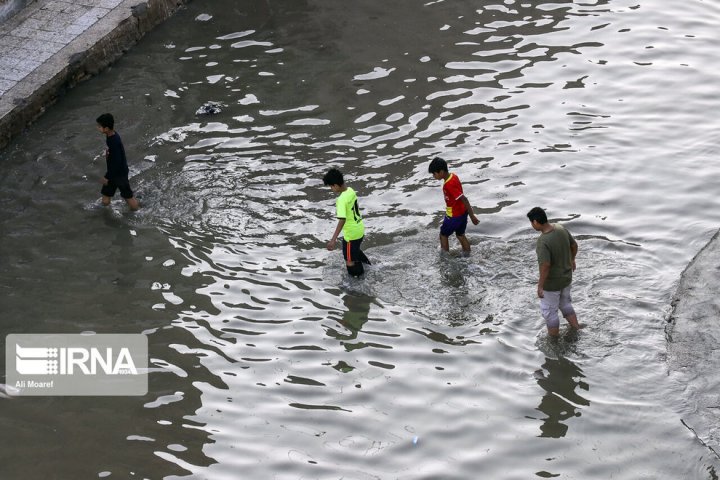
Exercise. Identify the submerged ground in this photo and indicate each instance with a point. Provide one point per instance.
(266, 359)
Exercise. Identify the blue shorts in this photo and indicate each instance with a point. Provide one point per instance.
(454, 225)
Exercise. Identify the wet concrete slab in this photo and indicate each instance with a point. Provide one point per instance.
(49, 46)
(9, 7)
(694, 343)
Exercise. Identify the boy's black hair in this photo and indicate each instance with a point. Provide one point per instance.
(538, 214)
(438, 165)
(333, 177)
(106, 120)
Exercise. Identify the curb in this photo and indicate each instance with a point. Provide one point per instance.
(693, 333)
(85, 56)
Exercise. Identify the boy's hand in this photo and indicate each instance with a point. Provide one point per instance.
(104, 181)
(540, 292)
(331, 245)
(474, 219)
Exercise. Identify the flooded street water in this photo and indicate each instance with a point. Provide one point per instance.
(267, 361)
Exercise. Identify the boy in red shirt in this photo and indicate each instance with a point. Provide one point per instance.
(457, 206)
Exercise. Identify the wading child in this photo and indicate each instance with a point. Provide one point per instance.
(457, 206)
(349, 223)
(556, 250)
(116, 176)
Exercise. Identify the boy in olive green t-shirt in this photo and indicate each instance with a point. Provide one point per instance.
(349, 223)
(556, 250)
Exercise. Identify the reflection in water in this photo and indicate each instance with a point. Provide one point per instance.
(120, 251)
(355, 316)
(561, 402)
(452, 274)
(179, 435)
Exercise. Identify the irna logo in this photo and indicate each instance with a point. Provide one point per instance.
(77, 364)
(69, 361)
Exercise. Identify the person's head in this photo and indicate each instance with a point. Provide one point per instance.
(334, 179)
(537, 217)
(438, 168)
(105, 122)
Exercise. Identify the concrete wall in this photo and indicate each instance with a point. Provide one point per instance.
(8, 8)
(693, 334)
(84, 56)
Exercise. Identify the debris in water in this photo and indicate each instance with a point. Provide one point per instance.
(209, 108)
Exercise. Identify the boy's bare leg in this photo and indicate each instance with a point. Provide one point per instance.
(573, 321)
(464, 242)
(444, 243)
(106, 200)
(132, 203)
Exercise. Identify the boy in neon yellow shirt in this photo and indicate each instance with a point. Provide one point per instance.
(349, 223)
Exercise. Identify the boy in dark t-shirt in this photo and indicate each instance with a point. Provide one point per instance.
(457, 206)
(116, 175)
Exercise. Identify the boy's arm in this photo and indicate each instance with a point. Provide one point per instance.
(544, 272)
(338, 229)
(106, 177)
(573, 252)
(469, 209)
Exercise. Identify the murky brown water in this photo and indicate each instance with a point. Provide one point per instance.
(267, 361)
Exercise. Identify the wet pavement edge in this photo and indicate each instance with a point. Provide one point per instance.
(50, 46)
(693, 334)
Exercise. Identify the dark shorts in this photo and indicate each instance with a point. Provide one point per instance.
(122, 183)
(454, 225)
(351, 251)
